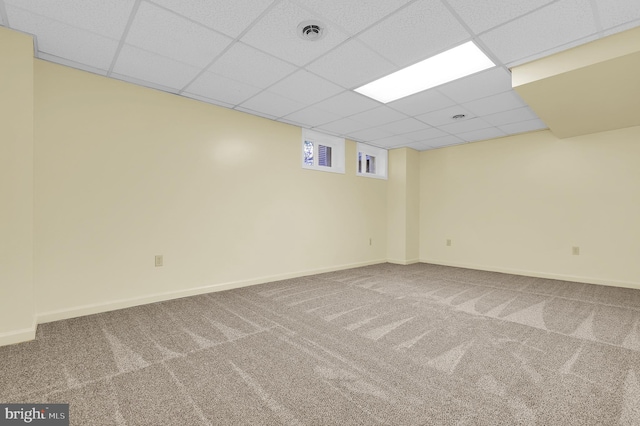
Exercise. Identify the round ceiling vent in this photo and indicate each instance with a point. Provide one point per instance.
(458, 116)
(311, 30)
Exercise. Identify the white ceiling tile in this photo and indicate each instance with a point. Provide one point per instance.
(465, 125)
(105, 17)
(256, 113)
(327, 132)
(623, 27)
(272, 104)
(305, 87)
(556, 49)
(370, 143)
(378, 116)
(482, 15)
(351, 65)
(424, 135)
(370, 134)
(276, 33)
(419, 146)
(482, 134)
(405, 125)
(617, 12)
(143, 83)
(423, 102)
(207, 100)
(343, 126)
(416, 32)
(167, 34)
(510, 116)
(221, 88)
(523, 126)
(171, 41)
(147, 66)
(392, 141)
(230, 17)
(491, 82)
(444, 141)
(71, 64)
(443, 116)
(554, 25)
(347, 103)
(496, 103)
(293, 123)
(353, 16)
(251, 66)
(65, 41)
(312, 117)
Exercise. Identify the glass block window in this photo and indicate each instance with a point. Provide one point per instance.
(307, 148)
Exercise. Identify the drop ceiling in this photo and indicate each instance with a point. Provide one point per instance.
(247, 55)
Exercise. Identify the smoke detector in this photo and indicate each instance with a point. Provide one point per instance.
(458, 116)
(311, 30)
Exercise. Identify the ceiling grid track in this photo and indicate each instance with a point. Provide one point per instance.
(3, 13)
(132, 16)
(247, 55)
(236, 40)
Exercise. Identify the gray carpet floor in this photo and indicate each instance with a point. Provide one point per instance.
(385, 344)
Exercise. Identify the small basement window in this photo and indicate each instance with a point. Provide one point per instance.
(372, 161)
(324, 155)
(322, 152)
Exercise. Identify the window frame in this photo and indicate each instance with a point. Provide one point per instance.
(336, 144)
(381, 156)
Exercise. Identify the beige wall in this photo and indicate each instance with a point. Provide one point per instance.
(403, 206)
(413, 206)
(124, 173)
(16, 187)
(396, 206)
(98, 176)
(519, 204)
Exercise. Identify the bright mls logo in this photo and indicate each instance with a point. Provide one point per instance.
(34, 414)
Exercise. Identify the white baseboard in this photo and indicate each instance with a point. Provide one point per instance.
(113, 305)
(18, 336)
(23, 335)
(403, 262)
(538, 274)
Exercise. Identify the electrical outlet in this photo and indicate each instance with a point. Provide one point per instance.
(159, 260)
(575, 251)
(449, 243)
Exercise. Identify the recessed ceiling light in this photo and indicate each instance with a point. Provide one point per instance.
(453, 64)
(311, 30)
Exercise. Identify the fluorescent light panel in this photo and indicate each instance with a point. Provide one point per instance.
(453, 64)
